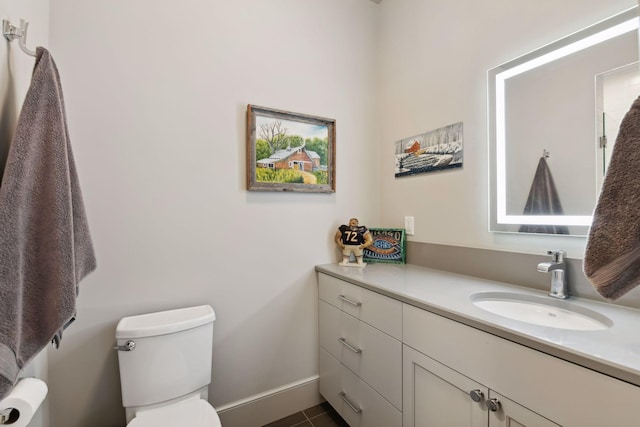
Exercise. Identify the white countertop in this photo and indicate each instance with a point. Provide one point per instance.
(614, 351)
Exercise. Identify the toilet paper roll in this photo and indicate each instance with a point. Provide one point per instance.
(23, 401)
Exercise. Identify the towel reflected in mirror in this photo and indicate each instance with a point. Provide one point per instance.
(543, 200)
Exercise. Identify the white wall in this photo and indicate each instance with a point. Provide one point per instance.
(15, 77)
(433, 62)
(15, 65)
(156, 94)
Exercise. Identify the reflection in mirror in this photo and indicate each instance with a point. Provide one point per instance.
(615, 92)
(547, 112)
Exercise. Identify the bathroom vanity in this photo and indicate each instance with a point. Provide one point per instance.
(402, 345)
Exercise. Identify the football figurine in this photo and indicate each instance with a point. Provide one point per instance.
(352, 239)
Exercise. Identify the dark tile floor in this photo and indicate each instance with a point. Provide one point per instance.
(322, 415)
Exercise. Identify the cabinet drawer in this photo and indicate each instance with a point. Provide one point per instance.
(372, 355)
(354, 400)
(377, 310)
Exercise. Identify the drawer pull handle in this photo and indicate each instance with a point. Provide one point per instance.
(350, 301)
(354, 408)
(349, 346)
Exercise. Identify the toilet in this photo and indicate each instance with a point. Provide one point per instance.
(165, 368)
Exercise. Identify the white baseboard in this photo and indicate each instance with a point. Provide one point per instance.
(271, 405)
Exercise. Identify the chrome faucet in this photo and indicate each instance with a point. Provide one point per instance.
(557, 268)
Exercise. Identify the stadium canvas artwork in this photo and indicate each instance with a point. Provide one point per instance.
(389, 246)
(437, 150)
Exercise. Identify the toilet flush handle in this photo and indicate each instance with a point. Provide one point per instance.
(128, 346)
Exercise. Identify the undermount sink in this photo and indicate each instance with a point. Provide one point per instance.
(541, 311)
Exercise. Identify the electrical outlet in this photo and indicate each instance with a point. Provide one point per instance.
(409, 225)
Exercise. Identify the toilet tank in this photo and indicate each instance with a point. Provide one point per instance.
(172, 354)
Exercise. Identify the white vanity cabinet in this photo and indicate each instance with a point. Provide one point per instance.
(446, 358)
(360, 358)
(388, 361)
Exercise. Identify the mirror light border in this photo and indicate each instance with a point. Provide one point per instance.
(605, 30)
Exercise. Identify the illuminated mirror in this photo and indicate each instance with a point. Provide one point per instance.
(552, 125)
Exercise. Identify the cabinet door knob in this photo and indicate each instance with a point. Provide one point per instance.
(476, 395)
(493, 404)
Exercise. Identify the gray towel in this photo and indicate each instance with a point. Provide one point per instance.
(45, 246)
(543, 200)
(612, 257)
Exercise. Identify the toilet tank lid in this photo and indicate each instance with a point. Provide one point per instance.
(164, 322)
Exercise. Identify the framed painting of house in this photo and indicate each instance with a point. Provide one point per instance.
(290, 151)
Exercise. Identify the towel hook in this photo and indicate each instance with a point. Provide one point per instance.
(546, 154)
(11, 33)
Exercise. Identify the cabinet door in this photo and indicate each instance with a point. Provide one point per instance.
(511, 414)
(437, 396)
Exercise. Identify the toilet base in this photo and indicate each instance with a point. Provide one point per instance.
(192, 413)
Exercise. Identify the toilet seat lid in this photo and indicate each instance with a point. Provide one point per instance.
(192, 413)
